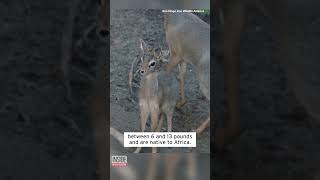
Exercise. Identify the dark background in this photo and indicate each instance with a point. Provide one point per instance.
(42, 135)
(278, 141)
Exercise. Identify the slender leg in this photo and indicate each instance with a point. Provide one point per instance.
(144, 114)
(160, 123)
(203, 126)
(183, 72)
(155, 112)
(154, 122)
(232, 29)
(169, 121)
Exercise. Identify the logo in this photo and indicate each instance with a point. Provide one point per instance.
(119, 161)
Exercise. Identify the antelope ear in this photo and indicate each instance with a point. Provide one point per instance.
(157, 52)
(143, 46)
(165, 54)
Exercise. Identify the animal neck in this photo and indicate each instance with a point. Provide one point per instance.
(151, 80)
(150, 77)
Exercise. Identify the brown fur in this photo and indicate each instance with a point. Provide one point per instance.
(188, 38)
(158, 92)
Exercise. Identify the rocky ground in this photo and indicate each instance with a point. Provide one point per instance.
(127, 27)
(42, 134)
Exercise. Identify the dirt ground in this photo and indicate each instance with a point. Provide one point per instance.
(127, 27)
(277, 142)
(42, 135)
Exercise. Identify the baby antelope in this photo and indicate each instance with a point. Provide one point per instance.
(158, 93)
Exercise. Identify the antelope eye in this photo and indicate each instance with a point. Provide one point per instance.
(152, 64)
